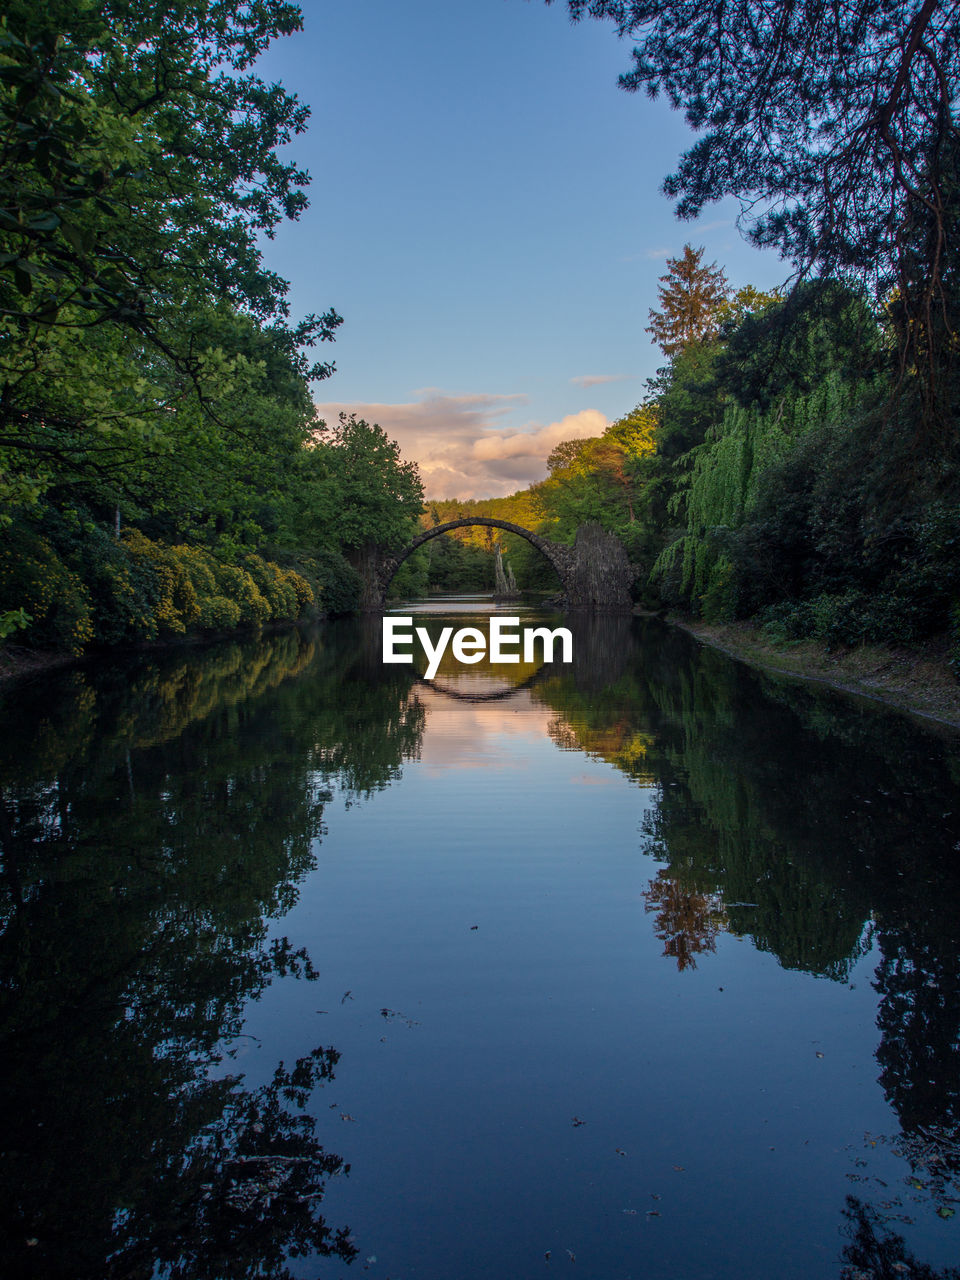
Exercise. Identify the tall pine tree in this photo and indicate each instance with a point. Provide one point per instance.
(691, 298)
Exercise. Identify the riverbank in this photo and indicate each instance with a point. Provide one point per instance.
(919, 681)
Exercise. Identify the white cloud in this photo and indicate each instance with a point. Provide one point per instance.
(539, 443)
(459, 452)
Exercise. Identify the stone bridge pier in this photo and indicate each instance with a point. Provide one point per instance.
(595, 572)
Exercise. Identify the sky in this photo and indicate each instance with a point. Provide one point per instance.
(486, 215)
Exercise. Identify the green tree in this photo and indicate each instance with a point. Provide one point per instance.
(352, 489)
(691, 301)
(139, 167)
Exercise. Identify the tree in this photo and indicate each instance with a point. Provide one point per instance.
(351, 489)
(833, 125)
(139, 166)
(596, 479)
(137, 151)
(691, 298)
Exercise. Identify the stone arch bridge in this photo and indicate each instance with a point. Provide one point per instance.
(595, 572)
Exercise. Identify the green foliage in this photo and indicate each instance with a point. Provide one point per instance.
(459, 566)
(139, 165)
(788, 386)
(728, 474)
(336, 584)
(412, 579)
(12, 621)
(688, 399)
(785, 347)
(595, 479)
(350, 488)
(152, 377)
(79, 586)
(54, 596)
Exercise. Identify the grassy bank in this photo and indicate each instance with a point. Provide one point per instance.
(920, 680)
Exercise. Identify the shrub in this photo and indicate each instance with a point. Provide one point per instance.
(286, 592)
(334, 583)
(198, 591)
(68, 582)
(35, 579)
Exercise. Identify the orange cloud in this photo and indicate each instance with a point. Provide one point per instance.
(454, 442)
(597, 379)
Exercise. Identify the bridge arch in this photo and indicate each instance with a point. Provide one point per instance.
(595, 572)
(558, 556)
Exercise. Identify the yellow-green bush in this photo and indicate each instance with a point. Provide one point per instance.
(286, 592)
(35, 579)
(199, 592)
(176, 593)
(237, 585)
(81, 585)
(217, 613)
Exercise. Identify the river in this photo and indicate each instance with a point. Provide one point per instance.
(645, 966)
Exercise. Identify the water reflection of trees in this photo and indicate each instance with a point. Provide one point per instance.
(803, 818)
(816, 827)
(153, 819)
(687, 922)
(874, 1252)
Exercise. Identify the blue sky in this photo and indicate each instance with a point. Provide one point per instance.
(486, 216)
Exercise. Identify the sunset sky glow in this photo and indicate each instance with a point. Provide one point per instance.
(486, 216)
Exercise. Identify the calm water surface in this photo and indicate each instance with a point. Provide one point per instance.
(642, 967)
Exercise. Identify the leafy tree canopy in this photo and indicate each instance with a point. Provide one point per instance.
(139, 162)
(834, 126)
(140, 157)
(352, 489)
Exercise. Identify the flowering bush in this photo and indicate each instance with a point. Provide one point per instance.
(81, 585)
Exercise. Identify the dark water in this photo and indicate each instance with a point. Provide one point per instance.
(644, 966)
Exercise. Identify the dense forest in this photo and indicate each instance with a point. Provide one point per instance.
(782, 468)
(162, 472)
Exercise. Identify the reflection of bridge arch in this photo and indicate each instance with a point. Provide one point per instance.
(498, 695)
(595, 571)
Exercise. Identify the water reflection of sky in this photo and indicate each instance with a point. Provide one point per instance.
(526, 1073)
(645, 960)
